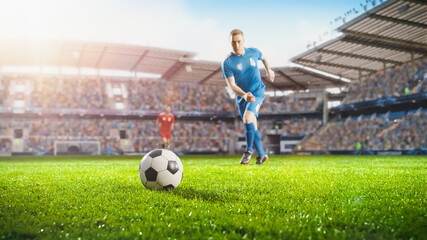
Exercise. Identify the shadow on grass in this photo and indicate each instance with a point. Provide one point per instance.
(203, 194)
(21, 235)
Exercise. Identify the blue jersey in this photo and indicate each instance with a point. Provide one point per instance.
(245, 71)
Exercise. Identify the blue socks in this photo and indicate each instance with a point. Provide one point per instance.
(258, 144)
(250, 135)
(253, 137)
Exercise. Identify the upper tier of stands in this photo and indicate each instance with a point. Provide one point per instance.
(398, 81)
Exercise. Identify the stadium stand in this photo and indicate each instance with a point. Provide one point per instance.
(105, 93)
(299, 126)
(391, 34)
(383, 51)
(5, 146)
(149, 95)
(288, 104)
(393, 130)
(115, 136)
(56, 97)
(399, 81)
(383, 108)
(390, 131)
(141, 94)
(4, 90)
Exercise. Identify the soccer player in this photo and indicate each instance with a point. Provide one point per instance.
(165, 121)
(240, 71)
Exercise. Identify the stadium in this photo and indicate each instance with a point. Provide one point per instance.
(344, 125)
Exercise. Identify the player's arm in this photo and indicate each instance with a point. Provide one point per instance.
(269, 72)
(172, 126)
(231, 83)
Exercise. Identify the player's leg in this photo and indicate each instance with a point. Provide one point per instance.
(262, 156)
(247, 155)
(254, 109)
(164, 142)
(249, 120)
(168, 141)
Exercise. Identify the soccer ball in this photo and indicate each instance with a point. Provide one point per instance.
(160, 169)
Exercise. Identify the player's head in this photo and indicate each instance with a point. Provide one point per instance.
(168, 109)
(237, 41)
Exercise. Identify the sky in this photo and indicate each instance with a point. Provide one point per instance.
(281, 29)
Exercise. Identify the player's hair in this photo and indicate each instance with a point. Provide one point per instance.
(236, 32)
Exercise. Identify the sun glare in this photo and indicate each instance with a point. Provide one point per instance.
(30, 19)
(75, 71)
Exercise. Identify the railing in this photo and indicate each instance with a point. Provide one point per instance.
(382, 102)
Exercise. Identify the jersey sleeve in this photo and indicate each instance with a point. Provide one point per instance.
(173, 119)
(259, 53)
(226, 70)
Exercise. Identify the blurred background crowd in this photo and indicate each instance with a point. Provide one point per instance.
(396, 131)
(139, 135)
(398, 81)
(373, 132)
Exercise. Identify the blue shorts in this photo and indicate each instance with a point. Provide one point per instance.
(242, 105)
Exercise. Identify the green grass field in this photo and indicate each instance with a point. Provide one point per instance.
(289, 197)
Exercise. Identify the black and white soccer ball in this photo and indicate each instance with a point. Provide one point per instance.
(160, 169)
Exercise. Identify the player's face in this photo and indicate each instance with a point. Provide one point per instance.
(238, 42)
(168, 109)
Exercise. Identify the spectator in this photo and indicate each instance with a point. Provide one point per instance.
(399, 80)
(212, 136)
(372, 133)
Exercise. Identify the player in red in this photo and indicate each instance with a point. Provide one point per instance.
(166, 121)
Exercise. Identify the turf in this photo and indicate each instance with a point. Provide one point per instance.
(289, 197)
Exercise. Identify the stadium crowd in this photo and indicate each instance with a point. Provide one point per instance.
(49, 91)
(372, 132)
(288, 104)
(399, 81)
(4, 90)
(54, 92)
(153, 95)
(70, 92)
(67, 92)
(289, 127)
(141, 135)
(299, 127)
(90, 93)
(5, 145)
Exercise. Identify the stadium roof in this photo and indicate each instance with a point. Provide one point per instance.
(95, 55)
(296, 78)
(390, 34)
(287, 78)
(171, 65)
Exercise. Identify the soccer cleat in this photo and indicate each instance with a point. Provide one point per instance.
(260, 160)
(246, 158)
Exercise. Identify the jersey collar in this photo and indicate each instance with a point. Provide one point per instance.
(244, 52)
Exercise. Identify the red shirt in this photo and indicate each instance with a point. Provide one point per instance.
(166, 121)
